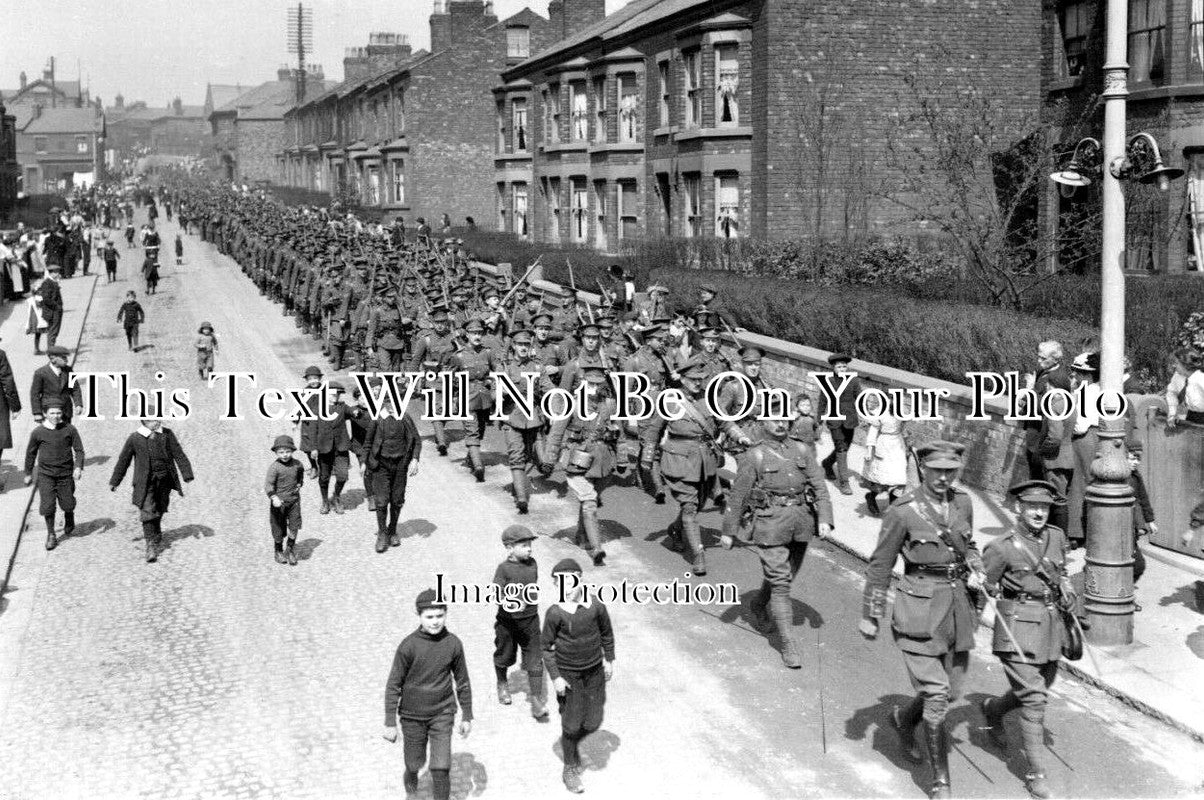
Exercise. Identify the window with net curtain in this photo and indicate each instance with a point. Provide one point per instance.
(579, 111)
(1196, 32)
(1147, 40)
(520, 209)
(520, 124)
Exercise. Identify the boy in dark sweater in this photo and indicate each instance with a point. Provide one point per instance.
(579, 652)
(419, 692)
(56, 447)
(283, 486)
(131, 315)
(1143, 511)
(519, 630)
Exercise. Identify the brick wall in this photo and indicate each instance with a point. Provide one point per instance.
(258, 143)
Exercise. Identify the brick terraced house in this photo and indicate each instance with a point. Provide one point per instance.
(413, 133)
(731, 118)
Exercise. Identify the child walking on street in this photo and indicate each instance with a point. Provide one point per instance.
(131, 315)
(283, 486)
(55, 447)
(579, 652)
(206, 346)
(419, 693)
(110, 256)
(179, 249)
(518, 629)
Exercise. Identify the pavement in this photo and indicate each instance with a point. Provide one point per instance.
(14, 319)
(218, 673)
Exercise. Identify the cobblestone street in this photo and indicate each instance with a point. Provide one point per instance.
(218, 673)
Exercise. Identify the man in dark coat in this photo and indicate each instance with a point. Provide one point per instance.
(10, 405)
(159, 463)
(52, 304)
(836, 464)
(393, 448)
(54, 380)
(331, 444)
(1051, 374)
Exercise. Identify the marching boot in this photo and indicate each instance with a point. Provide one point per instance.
(325, 509)
(290, 552)
(394, 515)
(783, 619)
(759, 609)
(503, 692)
(68, 524)
(579, 536)
(148, 534)
(674, 534)
(371, 498)
(904, 719)
(475, 463)
(936, 736)
(692, 533)
(1033, 733)
(280, 559)
(51, 542)
(993, 714)
(829, 471)
(440, 437)
(522, 491)
(658, 485)
(593, 536)
(336, 502)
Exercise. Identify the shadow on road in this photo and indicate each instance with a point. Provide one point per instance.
(92, 526)
(468, 777)
(92, 461)
(306, 547)
(416, 527)
(186, 532)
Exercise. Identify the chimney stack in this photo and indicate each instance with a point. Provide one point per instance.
(177, 106)
(24, 80)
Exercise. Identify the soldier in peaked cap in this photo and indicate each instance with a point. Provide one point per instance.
(779, 501)
(932, 527)
(591, 460)
(689, 458)
(432, 353)
(655, 361)
(1026, 569)
(478, 361)
(521, 430)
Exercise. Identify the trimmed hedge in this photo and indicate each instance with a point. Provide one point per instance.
(939, 339)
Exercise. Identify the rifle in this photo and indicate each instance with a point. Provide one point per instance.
(520, 282)
(606, 296)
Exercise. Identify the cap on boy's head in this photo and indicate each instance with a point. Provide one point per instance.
(52, 402)
(751, 355)
(839, 358)
(428, 598)
(1035, 492)
(57, 350)
(312, 371)
(283, 442)
(1134, 446)
(566, 565)
(515, 534)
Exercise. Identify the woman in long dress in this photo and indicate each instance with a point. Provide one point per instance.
(885, 467)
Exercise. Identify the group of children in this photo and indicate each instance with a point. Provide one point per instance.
(576, 645)
(131, 315)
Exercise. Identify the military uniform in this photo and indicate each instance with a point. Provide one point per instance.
(591, 461)
(1027, 568)
(651, 360)
(779, 493)
(934, 620)
(689, 459)
(522, 431)
(478, 362)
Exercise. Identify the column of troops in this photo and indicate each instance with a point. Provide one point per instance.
(381, 304)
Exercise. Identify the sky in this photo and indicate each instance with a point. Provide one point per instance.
(156, 50)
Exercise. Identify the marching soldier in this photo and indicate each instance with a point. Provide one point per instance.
(591, 460)
(1026, 569)
(779, 501)
(522, 431)
(934, 619)
(590, 355)
(652, 360)
(689, 458)
(431, 353)
(478, 361)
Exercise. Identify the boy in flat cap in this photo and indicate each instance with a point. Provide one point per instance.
(283, 486)
(393, 448)
(53, 380)
(518, 630)
(308, 428)
(59, 453)
(934, 620)
(579, 652)
(1026, 569)
(419, 693)
(131, 315)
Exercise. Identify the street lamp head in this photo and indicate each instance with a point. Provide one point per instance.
(1161, 175)
(1075, 174)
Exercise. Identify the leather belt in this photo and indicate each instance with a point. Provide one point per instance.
(1045, 598)
(785, 499)
(950, 572)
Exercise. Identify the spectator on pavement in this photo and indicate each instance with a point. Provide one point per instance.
(10, 406)
(1185, 390)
